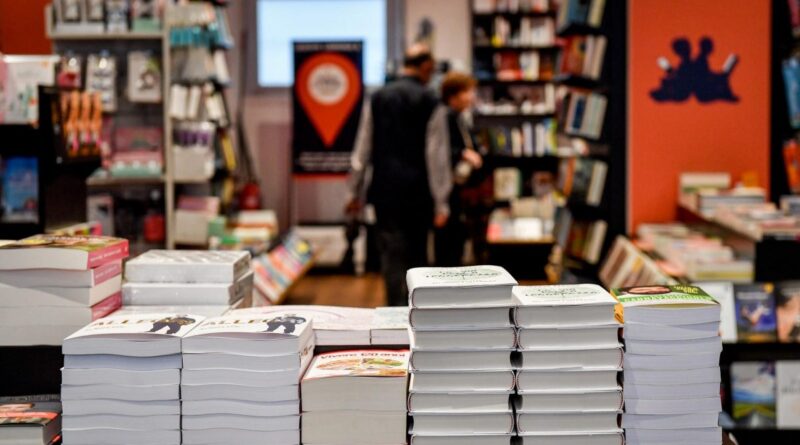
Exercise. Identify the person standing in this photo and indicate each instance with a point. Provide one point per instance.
(402, 159)
(458, 94)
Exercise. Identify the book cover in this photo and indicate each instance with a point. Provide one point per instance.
(791, 83)
(755, 312)
(562, 295)
(723, 293)
(788, 394)
(390, 317)
(753, 386)
(278, 324)
(188, 266)
(20, 190)
(326, 318)
(787, 299)
(40, 250)
(140, 325)
(678, 294)
(468, 276)
(360, 363)
(29, 410)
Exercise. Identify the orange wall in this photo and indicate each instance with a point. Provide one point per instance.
(665, 139)
(22, 29)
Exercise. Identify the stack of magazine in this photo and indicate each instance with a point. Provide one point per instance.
(51, 286)
(462, 343)
(356, 398)
(672, 374)
(240, 378)
(569, 361)
(121, 380)
(188, 278)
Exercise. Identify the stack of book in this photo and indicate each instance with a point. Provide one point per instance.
(30, 420)
(188, 278)
(240, 378)
(51, 286)
(672, 375)
(462, 342)
(121, 380)
(390, 326)
(356, 398)
(570, 358)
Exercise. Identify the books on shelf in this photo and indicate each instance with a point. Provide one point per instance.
(753, 386)
(583, 113)
(582, 179)
(527, 140)
(276, 270)
(787, 303)
(110, 365)
(582, 56)
(45, 295)
(240, 377)
(30, 420)
(507, 183)
(755, 312)
(526, 32)
(626, 265)
(518, 100)
(503, 6)
(350, 397)
(662, 315)
(723, 292)
(787, 385)
(580, 12)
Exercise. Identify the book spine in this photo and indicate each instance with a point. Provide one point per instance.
(107, 306)
(107, 254)
(106, 272)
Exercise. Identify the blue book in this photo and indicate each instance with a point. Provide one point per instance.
(755, 313)
(21, 190)
(791, 83)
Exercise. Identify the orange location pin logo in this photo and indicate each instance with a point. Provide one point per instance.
(328, 85)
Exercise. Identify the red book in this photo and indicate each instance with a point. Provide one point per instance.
(107, 306)
(80, 252)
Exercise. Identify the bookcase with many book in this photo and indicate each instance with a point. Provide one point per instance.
(540, 117)
(160, 69)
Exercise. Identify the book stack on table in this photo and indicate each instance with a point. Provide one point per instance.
(121, 380)
(356, 397)
(189, 278)
(672, 374)
(51, 286)
(462, 343)
(240, 378)
(570, 358)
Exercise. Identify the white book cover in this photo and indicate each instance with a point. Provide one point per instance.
(56, 296)
(563, 295)
(135, 335)
(468, 276)
(187, 266)
(390, 326)
(333, 325)
(723, 293)
(274, 333)
(61, 277)
(187, 293)
(787, 374)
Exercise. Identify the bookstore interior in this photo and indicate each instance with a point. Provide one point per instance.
(389, 222)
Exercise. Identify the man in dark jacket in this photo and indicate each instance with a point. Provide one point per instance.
(402, 153)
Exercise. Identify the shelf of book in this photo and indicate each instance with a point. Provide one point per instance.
(573, 80)
(115, 181)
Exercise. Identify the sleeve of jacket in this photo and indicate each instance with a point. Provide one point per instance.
(361, 156)
(437, 157)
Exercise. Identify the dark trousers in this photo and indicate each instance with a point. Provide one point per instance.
(449, 242)
(402, 243)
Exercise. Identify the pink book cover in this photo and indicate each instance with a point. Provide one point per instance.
(107, 306)
(107, 271)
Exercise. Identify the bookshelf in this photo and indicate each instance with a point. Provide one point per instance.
(158, 191)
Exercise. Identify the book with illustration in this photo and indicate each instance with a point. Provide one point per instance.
(753, 385)
(755, 312)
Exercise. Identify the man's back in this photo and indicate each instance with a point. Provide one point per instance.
(401, 112)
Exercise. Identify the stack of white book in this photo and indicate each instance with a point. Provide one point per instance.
(51, 286)
(240, 378)
(356, 398)
(462, 343)
(121, 380)
(672, 374)
(569, 361)
(390, 326)
(188, 278)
